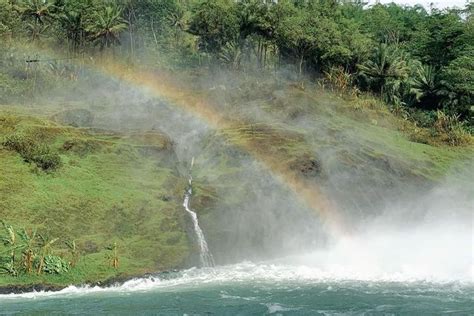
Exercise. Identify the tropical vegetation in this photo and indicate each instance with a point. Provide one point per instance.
(410, 56)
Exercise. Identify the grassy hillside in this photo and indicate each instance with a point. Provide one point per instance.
(109, 188)
(90, 164)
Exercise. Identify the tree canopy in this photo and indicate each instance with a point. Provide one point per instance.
(409, 55)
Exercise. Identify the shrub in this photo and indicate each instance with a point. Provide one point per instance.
(230, 55)
(451, 129)
(11, 88)
(419, 135)
(55, 265)
(400, 111)
(423, 118)
(340, 79)
(32, 150)
(7, 267)
(47, 160)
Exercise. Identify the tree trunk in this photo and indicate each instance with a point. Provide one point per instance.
(153, 31)
(264, 55)
(131, 42)
(130, 30)
(40, 267)
(301, 65)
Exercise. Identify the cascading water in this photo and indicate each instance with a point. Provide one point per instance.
(204, 254)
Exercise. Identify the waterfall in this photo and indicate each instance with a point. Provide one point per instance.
(204, 254)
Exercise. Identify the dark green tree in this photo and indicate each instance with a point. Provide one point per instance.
(216, 23)
(105, 25)
(426, 87)
(385, 71)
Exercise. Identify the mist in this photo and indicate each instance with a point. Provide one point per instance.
(430, 238)
(398, 221)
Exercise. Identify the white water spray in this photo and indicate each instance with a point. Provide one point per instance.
(204, 254)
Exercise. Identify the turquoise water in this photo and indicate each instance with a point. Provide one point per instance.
(251, 289)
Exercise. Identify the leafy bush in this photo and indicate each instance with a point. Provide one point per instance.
(32, 150)
(82, 147)
(400, 111)
(7, 267)
(423, 118)
(419, 135)
(450, 129)
(24, 251)
(11, 88)
(55, 265)
(46, 159)
(339, 78)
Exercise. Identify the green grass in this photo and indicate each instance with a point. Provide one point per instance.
(106, 190)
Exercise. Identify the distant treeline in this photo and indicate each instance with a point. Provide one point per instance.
(419, 60)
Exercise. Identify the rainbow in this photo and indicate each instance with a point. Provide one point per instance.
(162, 85)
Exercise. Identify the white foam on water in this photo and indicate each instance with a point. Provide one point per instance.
(225, 295)
(246, 272)
(275, 308)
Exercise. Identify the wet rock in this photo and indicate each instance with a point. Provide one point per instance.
(307, 166)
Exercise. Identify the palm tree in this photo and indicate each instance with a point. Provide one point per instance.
(231, 55)
(426, 86)
(177, 21)
(44, 250)
(72, 22)
(106, 26)
(10, 241)
(39, 10)
(74, 252)
(385, 71)
(36, 30)
(113, 255)
(28, 248)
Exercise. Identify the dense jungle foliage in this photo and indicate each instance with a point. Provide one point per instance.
(418, 60)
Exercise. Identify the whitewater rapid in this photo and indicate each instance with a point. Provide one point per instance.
(242, 273)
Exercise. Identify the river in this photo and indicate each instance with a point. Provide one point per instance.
(252, 289)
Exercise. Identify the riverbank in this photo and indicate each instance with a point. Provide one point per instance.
(47, 287)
